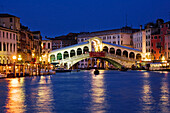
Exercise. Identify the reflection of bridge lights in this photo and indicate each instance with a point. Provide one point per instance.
(98, 102)
(147, 98)
(45, 95)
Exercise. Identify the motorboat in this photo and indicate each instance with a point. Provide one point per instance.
(123, 69)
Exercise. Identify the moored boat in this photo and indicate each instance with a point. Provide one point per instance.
(62, 70)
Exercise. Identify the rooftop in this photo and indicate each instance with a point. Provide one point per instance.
(7, 15)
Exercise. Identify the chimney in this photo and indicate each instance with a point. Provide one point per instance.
(140, 27)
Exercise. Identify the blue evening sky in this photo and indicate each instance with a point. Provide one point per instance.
(59, 17)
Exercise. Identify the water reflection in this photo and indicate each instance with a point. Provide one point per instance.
(98, 95)
(164, 97)
(147, 99)
(16, 96)
(45, 95)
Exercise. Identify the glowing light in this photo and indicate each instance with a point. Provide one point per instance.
(33, 54)
(19, 57)
(163, 58)
(14, 57)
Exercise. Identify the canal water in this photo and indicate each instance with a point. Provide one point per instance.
(83, 92)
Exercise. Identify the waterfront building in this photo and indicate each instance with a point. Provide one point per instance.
(30, 45)
(158, 41)
(37, 45)
(139, 41)
(46, 48)
(167, 46)
(9, 34)
(121, 36)
(8, 44)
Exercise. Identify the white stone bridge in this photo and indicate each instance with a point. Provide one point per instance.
(117, 55)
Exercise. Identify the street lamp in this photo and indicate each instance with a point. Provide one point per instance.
(19, 59)
(14, 58)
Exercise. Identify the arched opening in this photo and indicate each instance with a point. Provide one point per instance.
(105, 48)
(79, 51)
(112, 51)
(138, 56)
(118, 52)
(66, 54)
(131, 55)
(72, 53)
(125, 53)
(85, 50)
(52, 58)
(59, 56)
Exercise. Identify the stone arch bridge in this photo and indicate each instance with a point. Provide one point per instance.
(117, 55)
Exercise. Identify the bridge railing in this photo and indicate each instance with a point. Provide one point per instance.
(77, 56)
(120, 57)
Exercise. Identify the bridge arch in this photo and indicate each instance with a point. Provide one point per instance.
(132, 55)
(138, 56)
(72, 53)
(105, 48)
(59, 56)
(112, 50)
(92, 62)
(85, 49)
(118, 52)
(79, 51)
(66, 55)
(125, 53)
(52, 57)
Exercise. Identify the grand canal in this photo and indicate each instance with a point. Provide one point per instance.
(83, 92)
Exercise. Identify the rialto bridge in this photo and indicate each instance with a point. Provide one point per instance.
(115, 54)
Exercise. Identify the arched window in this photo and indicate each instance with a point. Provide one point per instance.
(79, 51)
(72, 53)
(138, 56)
(105, 48)
(52, 58)
(59, 56)
(66, 54)
(112, 51)
(125, 53)
(131, 55)
(85, 50)
(4, 46)
(118, 52)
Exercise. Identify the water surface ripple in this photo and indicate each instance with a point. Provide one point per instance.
(83, 92)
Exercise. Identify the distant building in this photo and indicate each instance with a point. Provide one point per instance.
(30, 45)
(10, 21)
(167, 46)
(139, 41)
(158, 41)
(46, 48)
(63, 41)
(121, 36)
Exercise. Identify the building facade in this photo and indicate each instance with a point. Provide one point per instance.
(8, 44)
(121, 36)
(46, 48)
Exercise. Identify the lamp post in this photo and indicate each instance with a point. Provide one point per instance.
(14, 58)
(39, 66)
(19, 59)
